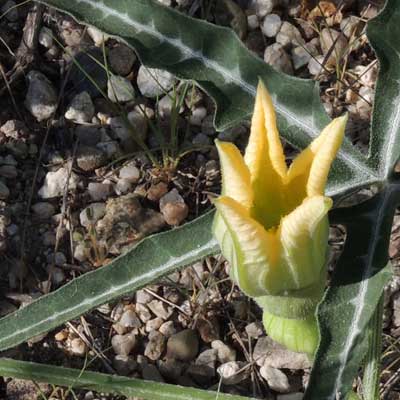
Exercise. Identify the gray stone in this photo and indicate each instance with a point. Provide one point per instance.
(43, 210)
(232, 372)
(350, 25)
(254, 329)
(10, 9)
(275, 378)
(207, 357)
(396, 310)
(224, 352)
(124, 365)
(99, 191)
(289, 35)
(81, 109)
(183, 345)
(46, 37)
(315, 65)
(171, 369)
(154, 82)
(121, 59)
(129, 319)
(90, 158)
(91, 214)
(97, 36)
(173, 208)
(143, 312)
(151, 373)
(167, 329)
(331, 38)
(253, 22)
(4, 191)
(81, 252)
(123, 344)
(156, 345)
(276, 56)
(198, 114)
(120, 89)
(271, 25)
(55, 182)
(130, 173)
(154, 324)
(41, 98)
(8, 171)
(123, 186)
(159, 309)
(267, 352)
(291, 396)
(262, 7)
(301, 56)
(143, 297)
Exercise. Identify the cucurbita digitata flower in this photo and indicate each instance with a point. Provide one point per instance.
(271, 220)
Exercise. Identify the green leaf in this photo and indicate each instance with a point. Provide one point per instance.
(215, 58)
(74, 378)
(383, 33)
(355, 290)
(153, 257)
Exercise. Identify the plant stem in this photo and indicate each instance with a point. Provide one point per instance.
(373, 358)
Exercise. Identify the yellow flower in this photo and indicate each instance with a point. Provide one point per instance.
(271, 220)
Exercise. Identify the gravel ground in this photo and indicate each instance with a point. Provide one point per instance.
(76, 191)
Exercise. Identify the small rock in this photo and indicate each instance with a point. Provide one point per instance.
(90, 158)
(166, 104)
(124, 365)
(183, 345)
(81, 109)
(396, 310)
(268, 352)
(99, 191)
(224, 352)
(276, 56)
(157, 191)
(4, 191)
(46, 37)
(97, 36)
(315, 65)
(43, 210)
(208, 358)
(151, 373)
(208, 329)
(253, 22)
(129, 319)
(291, 396)
(289, 35)
(332, 38)
(173, 208)
(154, 324)
(275, 378)
(171, 369)
(55, 182)
(81, 252)
(78, 347)
(167, 329)
(350, 26)
(232, 372)
(8, 171)
(143, 297)
(156, 345)
(202, 374)
(41, 98)
(10, 160)
(271, 25)
(123, 186)
(91, 214)
(10, 9)
(154, 82)
(198, 115)
(301, 55)
(262, 7)
(123, 344)
(159, 309)
(254, 330)
(120, 89)
(130, 173)
(143, 312)
(121, 59)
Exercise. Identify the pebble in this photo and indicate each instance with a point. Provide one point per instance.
(129, 319)
(81, 252)
(159, 309)
(183, 345)
(253, 22)
(350, 26)
(301, 56)
(291, 396)
(268, 352)
(11, 9)
(154, 82)
(8, 171)
(41, 98)
(156, 345)
(46, 37)
(202, 140)
(229, 372)
(130, 173)
(332, 38)
(166, 104)
(167, 329)
(173, 208)
(91, 214)
(120, 89)
(289, 35)
(315, 65)
(157, 191)
(97, 36)
(198, 114)
(123, 344)
(81, 109)
(10, 160)
(396, 310)
(121, 59)
(202, 374)
(90, 135)
(254, 329)
(124, 365)
(78, 347)
(143, 312)
(4, 191)
(154, 324)
(224, 352)
(143, 297)
(275, 378)
(151, 373)
(276, 56)
(44, 210)
(90, 158)
(55, 182)
(262, 7)
(123, 186)
(99, 191)
(207, 357)
(271, 25)
(171, 369)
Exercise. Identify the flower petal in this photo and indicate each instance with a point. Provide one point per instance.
(309, 171)
(304, 239)
(266, 161)
(256, 250)
(235, 174)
